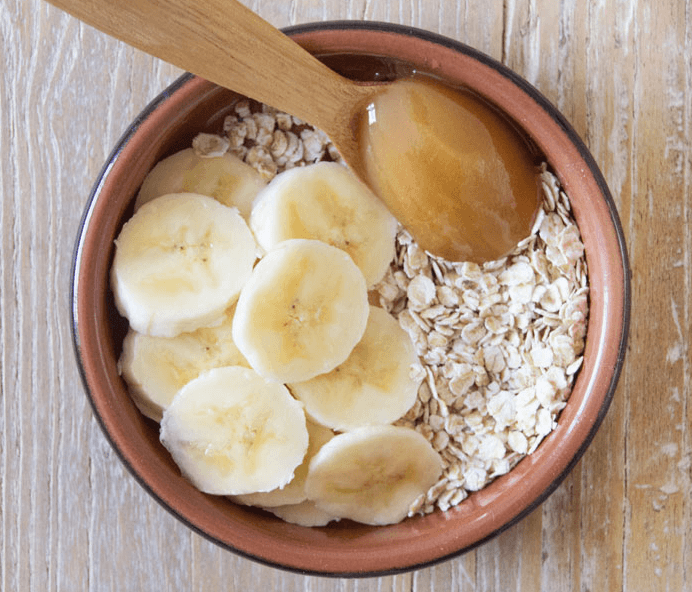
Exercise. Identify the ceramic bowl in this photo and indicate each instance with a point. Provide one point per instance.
(191, 105)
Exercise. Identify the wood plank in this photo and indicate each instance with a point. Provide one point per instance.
(603, 469)
(658, 382)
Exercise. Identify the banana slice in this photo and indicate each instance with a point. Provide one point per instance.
(180, 262)
(301, 312)
(232, 432)
(156, 368)
(225, 178)
(294, 492)
(327, 202)
(372, 474)
(373, 386)
(304, 514)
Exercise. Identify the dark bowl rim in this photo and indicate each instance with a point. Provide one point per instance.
(544, 103)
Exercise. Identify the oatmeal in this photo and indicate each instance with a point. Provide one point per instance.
(498, 344)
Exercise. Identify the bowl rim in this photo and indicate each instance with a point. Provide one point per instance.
(544, 104)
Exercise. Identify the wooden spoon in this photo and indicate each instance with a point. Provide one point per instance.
(228, 44)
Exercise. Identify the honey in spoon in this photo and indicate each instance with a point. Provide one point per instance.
(424, 144)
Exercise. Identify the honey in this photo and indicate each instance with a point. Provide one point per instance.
(428, 147)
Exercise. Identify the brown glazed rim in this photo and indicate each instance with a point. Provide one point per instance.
(346, 549)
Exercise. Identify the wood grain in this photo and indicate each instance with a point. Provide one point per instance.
(72, 518)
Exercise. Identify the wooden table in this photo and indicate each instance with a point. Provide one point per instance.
(72, 518)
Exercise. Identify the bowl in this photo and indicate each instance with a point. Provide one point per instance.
(348, 549)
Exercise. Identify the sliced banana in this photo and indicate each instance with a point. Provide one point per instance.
(304, 514)
(180, 262)
(232, 432)
(294, 492)
(301, 312)
(327, 202)
(156, 368)
(226, 178)
(372, 474)
(373, 385)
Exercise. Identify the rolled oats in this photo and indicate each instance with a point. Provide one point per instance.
(421, 292)
(517, 441)
(475, 478)
(511, 345)
(499, 344)
(210, 145)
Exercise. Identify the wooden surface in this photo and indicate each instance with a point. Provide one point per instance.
(73, 519)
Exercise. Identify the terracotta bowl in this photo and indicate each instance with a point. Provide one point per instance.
(347, 549)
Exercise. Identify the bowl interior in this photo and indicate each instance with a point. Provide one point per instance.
(192, 105)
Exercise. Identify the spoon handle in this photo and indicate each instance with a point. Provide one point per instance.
(225, 43)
